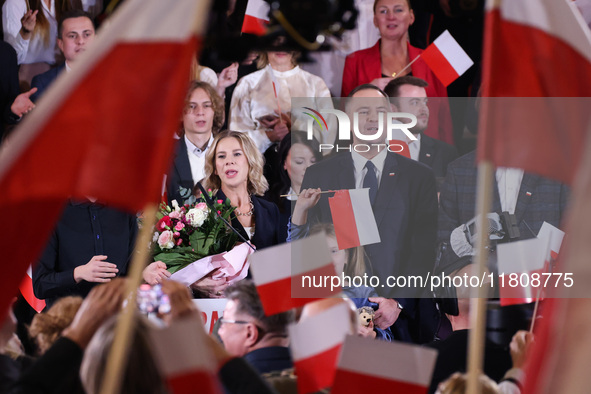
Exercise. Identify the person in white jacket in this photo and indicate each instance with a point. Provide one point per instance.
(267, 118)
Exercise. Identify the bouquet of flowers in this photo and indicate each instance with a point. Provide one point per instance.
(185, 234)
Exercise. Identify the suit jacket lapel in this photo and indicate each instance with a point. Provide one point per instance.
(347, 173)
(387, 186)
(181, 161)
(528, 185)
(426, 153)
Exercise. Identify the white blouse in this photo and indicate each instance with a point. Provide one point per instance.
(34, 49)
(253, 98)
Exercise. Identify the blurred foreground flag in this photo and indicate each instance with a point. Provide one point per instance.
(183, 357)
(316, 344)
(534, 50)
(103, 130)
(292, 274)
(446, 58)
(256, 18)
(370, 366)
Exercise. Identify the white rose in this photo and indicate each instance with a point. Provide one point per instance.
(196, 217)
(175, 205)
(166, 240)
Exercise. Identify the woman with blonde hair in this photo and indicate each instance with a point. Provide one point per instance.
(234, 171)
(30, 26)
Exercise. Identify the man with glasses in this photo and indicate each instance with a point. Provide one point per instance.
(246, 332)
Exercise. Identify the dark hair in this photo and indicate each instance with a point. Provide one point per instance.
(244, 293)
(295, 137)
(217, 102)
(367, 86)
(70, 14)
(392, 89)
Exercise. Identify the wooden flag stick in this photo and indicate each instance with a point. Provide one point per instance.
(478, 302)
(118, 355)
(539, 292)
(298, 194)
(394, 75)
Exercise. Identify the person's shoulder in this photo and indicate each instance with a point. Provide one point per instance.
(268, 205)
(334, 161)
(363, 53)
(417, 168)
(48, 75)
(440, 145)
(253, 77)
(466, 161)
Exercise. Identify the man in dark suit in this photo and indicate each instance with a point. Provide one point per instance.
(75, 33)
(408, 94)
(404, 206)
(532, 198)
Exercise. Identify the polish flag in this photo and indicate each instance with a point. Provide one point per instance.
(183, 357)
(536, 87)
(285, 274)
(104, 129)
(560, 358)
(517, 262)
(316, 344)
(370, 366)
(26, 288)
(353, 218)
(446, 58)
(256, 17)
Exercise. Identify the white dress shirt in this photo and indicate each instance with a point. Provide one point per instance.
(414, 147)
(197, 159)
(509, 182)
(253, 98)
(359, 163)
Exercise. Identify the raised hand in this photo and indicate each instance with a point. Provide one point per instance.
(28, 22)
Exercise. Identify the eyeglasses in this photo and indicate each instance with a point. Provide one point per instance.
(228, 321)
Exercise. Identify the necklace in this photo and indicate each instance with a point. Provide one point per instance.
(249, 213)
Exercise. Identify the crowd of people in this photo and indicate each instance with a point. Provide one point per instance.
(239, 137)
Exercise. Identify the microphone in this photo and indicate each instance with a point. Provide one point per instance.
(209, 203)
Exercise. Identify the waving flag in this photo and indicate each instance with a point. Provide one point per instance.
(104, 130)
(370, 366)
(353, 218)
(535, 49)
(315, 347)
(285, 274)
(446, 58)
(256, 17)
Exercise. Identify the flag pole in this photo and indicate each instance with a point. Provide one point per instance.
(119, 352)
(478, 302)
(394, 75)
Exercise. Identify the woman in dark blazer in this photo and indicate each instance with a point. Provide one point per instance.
(234, 171)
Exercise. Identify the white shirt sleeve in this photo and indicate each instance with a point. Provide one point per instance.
(12, 13)
(241, 112)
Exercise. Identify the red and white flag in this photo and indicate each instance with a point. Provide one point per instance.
(26, 288)
(316, 344)
(560, 359)
(535, 49)
(183, 357)
(446, 58)
(353, 218)
(370, 366)
(517, 262)
(256, 18)
(291, 275)
(104, 130)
